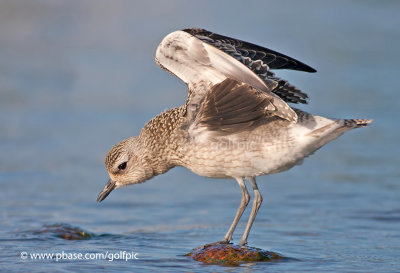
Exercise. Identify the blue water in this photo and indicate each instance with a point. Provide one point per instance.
(78, 76)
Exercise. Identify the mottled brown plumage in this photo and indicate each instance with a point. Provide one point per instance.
(235, 123)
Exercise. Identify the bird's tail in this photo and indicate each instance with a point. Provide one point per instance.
(333, 130)
(356, 123)
(318, 131)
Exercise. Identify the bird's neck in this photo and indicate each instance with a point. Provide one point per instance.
(159, 139)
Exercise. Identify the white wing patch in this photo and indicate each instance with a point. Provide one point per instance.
(186, 57)
(199, 64)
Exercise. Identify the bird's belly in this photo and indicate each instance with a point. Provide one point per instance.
(242, 162)
(268, 149)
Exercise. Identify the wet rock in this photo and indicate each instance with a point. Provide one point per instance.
(66, 232)
(230, 254)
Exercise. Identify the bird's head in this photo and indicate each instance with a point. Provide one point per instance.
(125, 165)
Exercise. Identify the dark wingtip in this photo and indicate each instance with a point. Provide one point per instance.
(310, 69)
(282, 62)
(294, 64)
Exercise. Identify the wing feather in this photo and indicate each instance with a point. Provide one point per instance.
(273, 59)
(260, 60)
(231, 107)
(202, 66)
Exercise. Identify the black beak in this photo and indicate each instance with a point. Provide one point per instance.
(106, 191)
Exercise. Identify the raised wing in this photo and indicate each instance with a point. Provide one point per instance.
(260, 60)
(247, 52)
(196, 62)
(202, 66)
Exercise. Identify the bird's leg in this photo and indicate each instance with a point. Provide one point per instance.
(243, 204)
(256, 205)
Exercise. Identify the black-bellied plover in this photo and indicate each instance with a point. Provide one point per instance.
(236, 122)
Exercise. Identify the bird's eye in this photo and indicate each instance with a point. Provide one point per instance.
(122, 166)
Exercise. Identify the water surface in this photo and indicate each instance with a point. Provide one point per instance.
(78, 76)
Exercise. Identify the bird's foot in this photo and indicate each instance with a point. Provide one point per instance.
(222, 242)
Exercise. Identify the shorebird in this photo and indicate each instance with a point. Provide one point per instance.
(235, 123)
